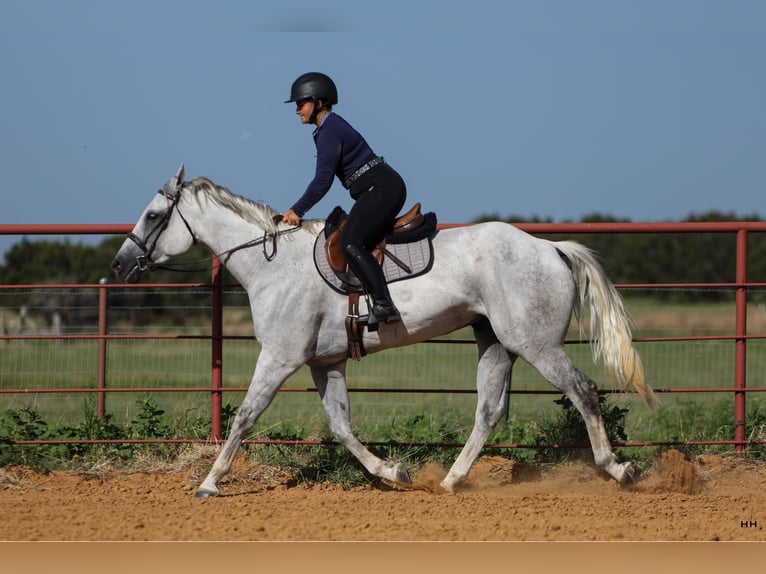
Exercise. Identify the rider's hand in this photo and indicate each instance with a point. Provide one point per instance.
(291, 218)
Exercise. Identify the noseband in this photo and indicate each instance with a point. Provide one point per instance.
(144, 261)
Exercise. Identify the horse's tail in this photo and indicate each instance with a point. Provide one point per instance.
(610, 325)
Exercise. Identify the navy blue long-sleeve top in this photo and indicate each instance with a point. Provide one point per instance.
(341, 150)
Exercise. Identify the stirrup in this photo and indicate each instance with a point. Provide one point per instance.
(390, 315)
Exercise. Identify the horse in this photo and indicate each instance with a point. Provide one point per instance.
(517, 292)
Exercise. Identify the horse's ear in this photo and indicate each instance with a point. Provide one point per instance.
(178, 180)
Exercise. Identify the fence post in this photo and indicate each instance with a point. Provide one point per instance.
(740, 349)
(217, 350)
(508, 396)
(102, 330)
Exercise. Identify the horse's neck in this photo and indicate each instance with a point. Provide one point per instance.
(226, 234)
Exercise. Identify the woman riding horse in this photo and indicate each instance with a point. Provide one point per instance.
(378, 190)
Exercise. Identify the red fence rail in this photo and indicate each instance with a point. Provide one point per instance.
(740, 286)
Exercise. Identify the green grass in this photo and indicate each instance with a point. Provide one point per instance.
(71, 364)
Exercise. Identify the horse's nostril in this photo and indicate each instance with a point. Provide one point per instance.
(116, 265)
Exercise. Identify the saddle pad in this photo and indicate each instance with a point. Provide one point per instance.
(418, 256)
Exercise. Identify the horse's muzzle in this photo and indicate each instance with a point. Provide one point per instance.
(131, 274)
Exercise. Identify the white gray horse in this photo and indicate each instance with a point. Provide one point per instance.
(516, 291)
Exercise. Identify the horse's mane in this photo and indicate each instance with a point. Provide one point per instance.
(255, 212)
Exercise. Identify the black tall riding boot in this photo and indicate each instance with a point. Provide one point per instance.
(369, 272)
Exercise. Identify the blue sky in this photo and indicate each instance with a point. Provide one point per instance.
(649, 110)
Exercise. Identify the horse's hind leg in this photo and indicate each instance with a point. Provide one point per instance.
(492, 377)
(331, 384)
(556, 366)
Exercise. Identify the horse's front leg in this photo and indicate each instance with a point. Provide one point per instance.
(331, 384)
(269, 376)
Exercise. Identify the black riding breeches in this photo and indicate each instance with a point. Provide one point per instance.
(380, 195)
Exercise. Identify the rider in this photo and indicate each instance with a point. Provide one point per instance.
(378, 190)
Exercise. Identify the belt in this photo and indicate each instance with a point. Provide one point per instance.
(362, 170)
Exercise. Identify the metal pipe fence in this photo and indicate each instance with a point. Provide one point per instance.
(214, 335)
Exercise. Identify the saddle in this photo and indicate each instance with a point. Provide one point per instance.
(406, 224)
(405, 252)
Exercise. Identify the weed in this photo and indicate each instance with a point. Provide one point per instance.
(567, 428)
(149, 422)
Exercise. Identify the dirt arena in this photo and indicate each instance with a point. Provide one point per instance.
(710, 498)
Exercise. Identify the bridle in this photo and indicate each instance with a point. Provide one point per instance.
(144, 260)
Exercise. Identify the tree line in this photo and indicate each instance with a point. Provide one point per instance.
(53, 262)
(671, 257)
(628, 258)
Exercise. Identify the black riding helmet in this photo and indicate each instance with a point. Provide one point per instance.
(314, 86)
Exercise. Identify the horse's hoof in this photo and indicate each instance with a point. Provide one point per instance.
(629, 474)
(204, 493)
(402, 476)
(448, 488)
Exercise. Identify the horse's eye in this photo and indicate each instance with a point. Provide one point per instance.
(152, 215)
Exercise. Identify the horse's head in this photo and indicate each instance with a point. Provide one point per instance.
(160, 233)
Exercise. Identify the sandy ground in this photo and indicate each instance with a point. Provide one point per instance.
(710, 498)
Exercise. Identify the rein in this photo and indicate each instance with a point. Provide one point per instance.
(144, 261)
(261, 241)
